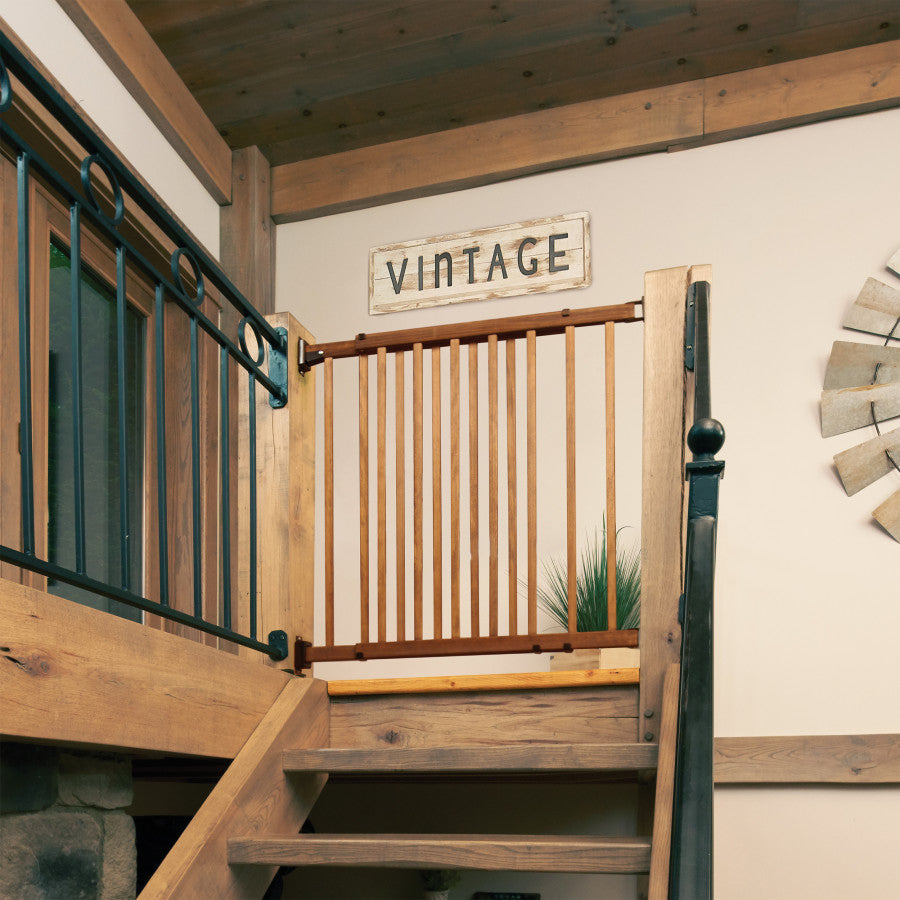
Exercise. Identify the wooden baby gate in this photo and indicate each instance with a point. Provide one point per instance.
(480, 637)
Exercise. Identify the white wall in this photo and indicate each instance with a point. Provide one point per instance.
(66, 53)
(806, 611)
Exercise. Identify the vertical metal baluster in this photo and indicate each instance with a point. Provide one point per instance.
(24, 263)
(77, 378)
(124, 519)
(251, 428)
(195, 474)
(225, 455)
(162, 515)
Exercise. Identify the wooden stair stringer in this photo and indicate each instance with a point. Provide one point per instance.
(254, 796)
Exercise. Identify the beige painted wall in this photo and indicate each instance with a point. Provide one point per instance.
(806, 615)
(66, 53)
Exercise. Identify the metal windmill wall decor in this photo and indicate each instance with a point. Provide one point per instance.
(862, 389)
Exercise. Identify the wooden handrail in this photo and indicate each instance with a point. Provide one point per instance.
(476, 332)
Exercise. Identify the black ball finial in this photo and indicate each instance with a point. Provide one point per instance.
(706, 437)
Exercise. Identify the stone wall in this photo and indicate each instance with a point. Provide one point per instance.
(63, 832)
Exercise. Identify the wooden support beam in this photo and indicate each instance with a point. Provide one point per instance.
(704, 111)
(285, 470)
(808, 759)
(247, 233)
(76, 675)
(123, 43)
(253, 796)
(493, 151)
(662, 486)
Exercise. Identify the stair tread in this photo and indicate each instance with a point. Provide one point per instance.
(497, 852)
(525, 758)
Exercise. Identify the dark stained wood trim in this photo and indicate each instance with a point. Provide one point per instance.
(808, 759)
(123, 43)
(689, 114)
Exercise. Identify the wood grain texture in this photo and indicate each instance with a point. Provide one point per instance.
(474, 568)
(418, 493)
(571, 495)
(512, 517)
(364, 631)
(286, 459)
(864, 464)
(665, 787)
(381, 488)
(437, 493)
(400, 491)
(875, 310)
(517, 853)
(481, 154)
(70, 671)
(252, 796)
(454, 490)
(531, 475)
(247, 233)
(328, 499)
(442, 684)
(849, 408)
(811, 759)
(493, 490)
(610, 384)
(457, 760)
(888, 515)
(851, 364)
(504, 717)
(803, 90)
(662, 480)
(117, 35)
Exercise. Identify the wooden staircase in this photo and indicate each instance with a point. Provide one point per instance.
(252, 819)
(515, 852)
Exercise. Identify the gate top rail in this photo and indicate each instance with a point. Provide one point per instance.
(471, 332)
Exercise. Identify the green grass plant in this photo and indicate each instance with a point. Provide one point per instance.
(591, 612)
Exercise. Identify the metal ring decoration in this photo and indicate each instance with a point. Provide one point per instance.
(242, 338)
(6, 93)
(86, 172)
(197, 299)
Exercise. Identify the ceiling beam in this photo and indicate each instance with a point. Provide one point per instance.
(123, 43)
(689, 114)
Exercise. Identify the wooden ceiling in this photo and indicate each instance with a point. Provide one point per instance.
(308, 78)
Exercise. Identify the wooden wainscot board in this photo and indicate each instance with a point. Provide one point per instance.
(523, 258)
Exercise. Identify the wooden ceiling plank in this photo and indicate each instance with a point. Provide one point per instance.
(805, 90)
(466, 157)
(826, 86)
(123, 43)
(408, 109)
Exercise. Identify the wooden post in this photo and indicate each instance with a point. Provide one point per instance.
(663, 493)
(285, 472)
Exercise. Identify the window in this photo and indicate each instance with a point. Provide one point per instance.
(104, 492)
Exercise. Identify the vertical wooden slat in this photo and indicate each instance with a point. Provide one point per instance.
(474, 575)
(418, 499)
(364, 498)
(400, 491)
(328, 466)
(611, 477)
(531, 428)
(418, 494)
(454, 488)
(571, 560)
(381, 457)
(437, 541)
(493, 513)
(511, 510)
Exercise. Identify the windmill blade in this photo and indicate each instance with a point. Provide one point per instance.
(876, 309)
(861, 465)
(894, 263)
(849, 408)
(888, 515)
(853, 365)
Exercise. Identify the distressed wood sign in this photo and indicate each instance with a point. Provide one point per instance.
(523, 258)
